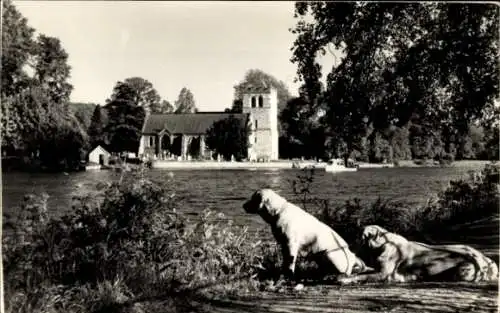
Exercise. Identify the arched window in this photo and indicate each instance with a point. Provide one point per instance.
(253, 102)
(151, 141)
(261, 102)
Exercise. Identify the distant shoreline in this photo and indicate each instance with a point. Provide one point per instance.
(287, 164)
(202, 165)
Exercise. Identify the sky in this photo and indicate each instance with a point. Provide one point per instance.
(204, 46)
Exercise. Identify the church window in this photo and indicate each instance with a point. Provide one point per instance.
(261, 102)
(255, 140)
(253, 102)
(151, 141)
(256, 124)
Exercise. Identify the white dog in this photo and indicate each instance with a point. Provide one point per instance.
(402, 260)
(297, 230)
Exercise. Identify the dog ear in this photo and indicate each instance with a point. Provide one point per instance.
(272, 203)
(368, 233)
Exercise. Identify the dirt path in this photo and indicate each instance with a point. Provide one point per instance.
(375, 298)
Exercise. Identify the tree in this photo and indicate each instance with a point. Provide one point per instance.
(185, 102)
(11, 126)
(17, 50)
(125, 120)
(97, 126)
(436, 61)
(164, 107)
(48, 136)
(302, 130)
(492, 140)
(426, 142)
(125, 138)
(82, 112)
(256, 77)
(229, 137)
(36, 122)
(52, 70)
(400, 143)
(380, 149)
(140, 92)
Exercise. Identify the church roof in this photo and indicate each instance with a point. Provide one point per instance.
(186, 123)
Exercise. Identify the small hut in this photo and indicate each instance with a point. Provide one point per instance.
(99, 155)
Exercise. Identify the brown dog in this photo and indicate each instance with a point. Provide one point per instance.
(401, 260)
(296, 230)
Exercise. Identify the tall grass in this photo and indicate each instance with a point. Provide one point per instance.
(126, 248)
(124, 242)
(467, 209)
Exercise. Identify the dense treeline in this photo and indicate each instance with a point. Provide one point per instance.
(307, 136)
(304, 133)
(37, 124)
(423, 73)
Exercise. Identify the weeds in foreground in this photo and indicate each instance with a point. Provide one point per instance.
(126, 241)
(126, 247)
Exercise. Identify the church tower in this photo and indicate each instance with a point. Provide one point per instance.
(261, 102)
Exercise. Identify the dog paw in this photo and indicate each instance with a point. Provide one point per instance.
(298, 287)
(344, 280)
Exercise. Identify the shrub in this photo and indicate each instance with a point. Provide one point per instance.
(465, 202)
(126, 239)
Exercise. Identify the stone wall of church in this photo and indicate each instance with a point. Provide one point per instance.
(264, 124)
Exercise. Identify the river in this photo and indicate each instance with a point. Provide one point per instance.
(226, 190)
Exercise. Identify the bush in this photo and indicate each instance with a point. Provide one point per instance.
(126, 238)
(463, 203)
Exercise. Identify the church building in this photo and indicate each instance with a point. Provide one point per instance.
(182, 136)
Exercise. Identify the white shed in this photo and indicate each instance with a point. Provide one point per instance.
(99, 156)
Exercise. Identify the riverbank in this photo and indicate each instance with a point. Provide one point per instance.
(215, 165)
(289, 164)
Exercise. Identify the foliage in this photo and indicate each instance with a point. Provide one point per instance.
(305, 134)
(11, 125)
(47, 135)
(37, 123)
(165, 107)
(400, 143)
(492, 140)
(229, 137)
(125, 120)
(380, 149)
(465, 201)
(256, 77)
(97, 126)
(17, 49)
(82, 112)
(140, 92)
(185, 102)
(467, 208)
(123, 243)
(401, 63)
(52, 70)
